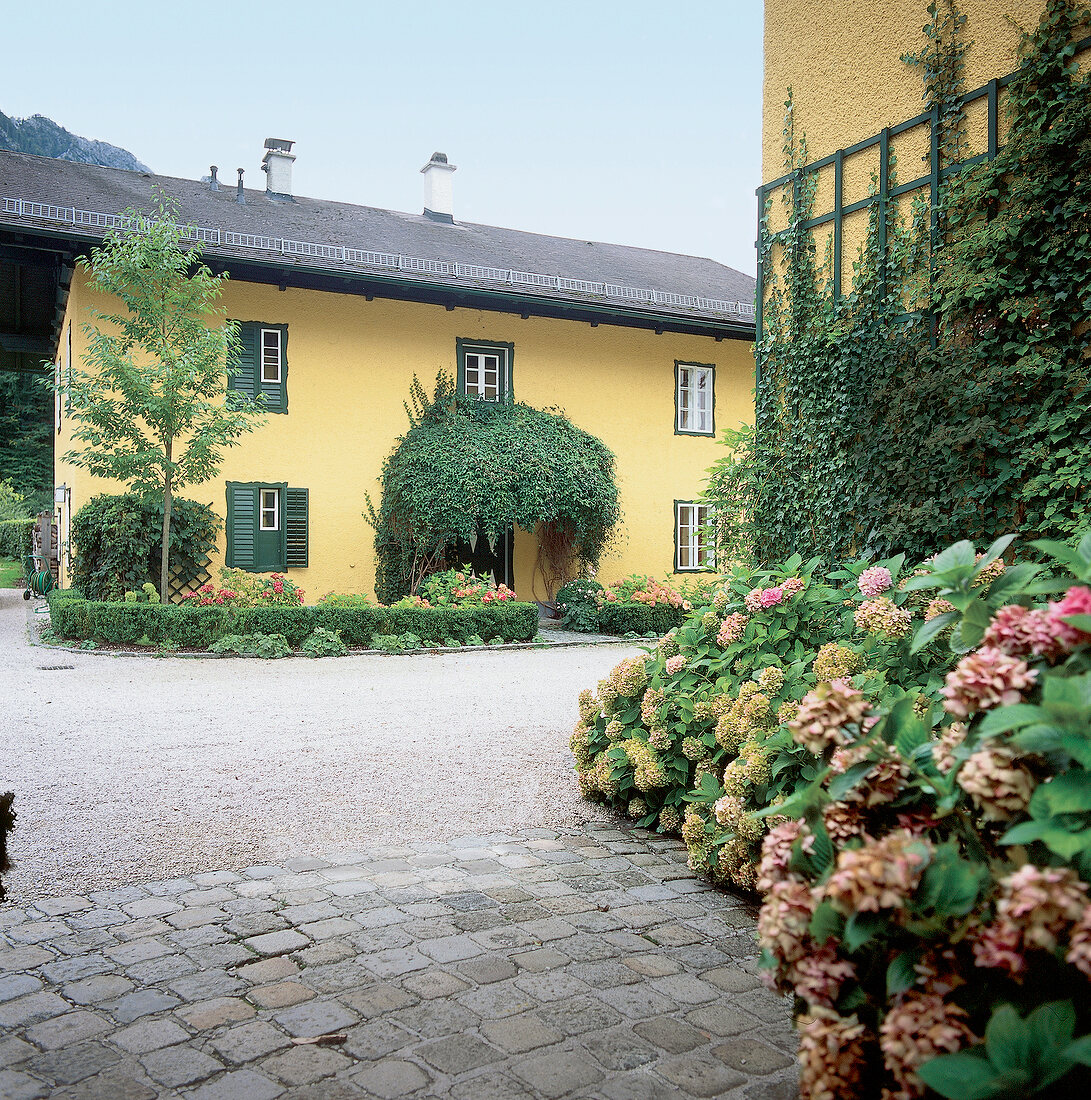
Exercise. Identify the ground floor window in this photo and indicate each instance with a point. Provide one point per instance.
(267, 526)
(693, 549)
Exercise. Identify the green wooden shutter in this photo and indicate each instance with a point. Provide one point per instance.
(242, 524)
(276, 393)
(296, 515)
(245, 378)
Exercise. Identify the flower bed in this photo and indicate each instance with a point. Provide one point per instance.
(910, 754)
(634, 605)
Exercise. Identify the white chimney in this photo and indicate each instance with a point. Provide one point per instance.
(439, 198)
(277, 166)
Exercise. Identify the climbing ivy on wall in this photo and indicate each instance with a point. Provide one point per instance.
(467, 468)
(948, 394)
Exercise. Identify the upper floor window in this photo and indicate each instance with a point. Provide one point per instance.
(694, 398)
(262, 365)
(271, 354)
(485, 369)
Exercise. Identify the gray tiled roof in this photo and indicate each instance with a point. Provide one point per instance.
(431, 249)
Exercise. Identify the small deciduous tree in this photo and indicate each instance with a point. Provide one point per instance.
(152, 407)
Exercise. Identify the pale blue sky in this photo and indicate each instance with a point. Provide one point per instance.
(634, 122)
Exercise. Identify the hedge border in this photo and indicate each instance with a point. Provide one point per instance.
(15, 538)
(77, 619)
(639, 618)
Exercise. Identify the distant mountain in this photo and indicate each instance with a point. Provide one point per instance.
(42, 136)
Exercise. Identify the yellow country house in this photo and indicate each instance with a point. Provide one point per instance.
(340, 306)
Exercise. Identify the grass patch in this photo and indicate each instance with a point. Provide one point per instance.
(11, 573)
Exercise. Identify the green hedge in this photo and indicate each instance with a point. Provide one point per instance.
(198, 627)
(639, 618)
(15, 538)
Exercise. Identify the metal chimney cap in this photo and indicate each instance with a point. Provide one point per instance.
(439, 160)
(281, 145)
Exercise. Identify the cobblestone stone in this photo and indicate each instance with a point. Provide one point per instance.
(578, 964)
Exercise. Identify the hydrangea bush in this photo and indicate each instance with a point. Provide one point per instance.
(926, 894)
(458, 588)
(692, 737)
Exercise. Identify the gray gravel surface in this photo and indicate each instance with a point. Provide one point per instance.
(134, 768)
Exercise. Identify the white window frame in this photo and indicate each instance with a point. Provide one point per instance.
(279, 362)
(687, 389)
(480, 388)
(690, 520)
(274, 495)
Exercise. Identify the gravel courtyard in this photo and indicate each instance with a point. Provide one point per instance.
(135, 768)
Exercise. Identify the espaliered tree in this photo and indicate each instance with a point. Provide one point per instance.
(152, 407)
(467, 468)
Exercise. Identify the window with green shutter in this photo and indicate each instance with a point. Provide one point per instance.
(267, 526)
(262, 366)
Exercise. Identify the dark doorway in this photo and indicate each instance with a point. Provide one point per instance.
(484, 558)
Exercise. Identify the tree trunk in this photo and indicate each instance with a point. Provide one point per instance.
(164, 559)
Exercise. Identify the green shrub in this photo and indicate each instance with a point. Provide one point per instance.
(395, 643)
(578, 603)
(117, 542)
(323, 643)
(345, 599)
(639, 618)
(270, 646)
(198, 627)
(15, 538)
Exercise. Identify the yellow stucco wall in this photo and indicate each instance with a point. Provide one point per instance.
(842, 61)
(350, 365)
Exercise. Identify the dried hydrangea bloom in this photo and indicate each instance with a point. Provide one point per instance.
(819, 975)
(702, 711)
(985, 679)
(758, 711)
(843, 822)
(1076, 601)
(693, 748)
(784, 918)
(1036, 908)
(787, 711)
(836, 662)
(693, 826)
(601, 777)
(989, 574)
(637, 808)
(759, 767)
(750, 828)
(827, 715)
(721, 600)
(776, 854)
(883, 616)
(659, 738)
(918, 1028)
(938, 606)
(652, 700)
(580, 744)
(648, 770)
(792, 585)
(771, 680)
(706, 767)
(880, 875)
(590, 707)
(730, 732)
(667, 646)
(728, 811)
(998, 782)
(833, 1055)
(675, 664)
(943, 750)
(670, 820)
(1079, 950)
(875, 581)
(735, 781)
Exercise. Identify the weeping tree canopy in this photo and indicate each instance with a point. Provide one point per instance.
(468, 468)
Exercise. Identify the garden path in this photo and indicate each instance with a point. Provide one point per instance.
(176, 807)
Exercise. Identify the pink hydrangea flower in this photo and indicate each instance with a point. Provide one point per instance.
(675, 664)
(731, 629)
(986, 679)
(752, 600)
(1076, 601)
(1024, 632)
(770, 597)
(791, 586)
(875, 581)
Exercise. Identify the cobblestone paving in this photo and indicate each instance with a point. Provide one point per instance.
(580, 963)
